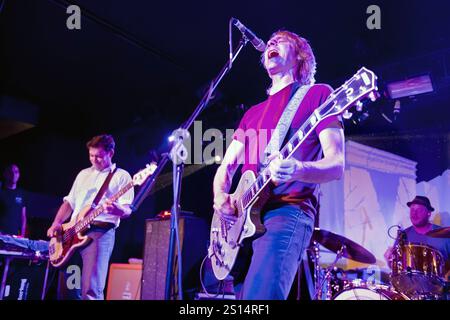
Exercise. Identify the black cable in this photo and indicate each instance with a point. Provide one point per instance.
(389, 231)
(209, 295)
(120, 32)
(49, 283)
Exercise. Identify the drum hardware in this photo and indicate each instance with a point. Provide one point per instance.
(326, 279)
(343, 247)
(439, 233)
(335, 242)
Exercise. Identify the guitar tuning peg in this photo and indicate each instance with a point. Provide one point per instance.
(373, 96)
(359, 106)
(347, 115)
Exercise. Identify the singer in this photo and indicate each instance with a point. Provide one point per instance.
(271, 261)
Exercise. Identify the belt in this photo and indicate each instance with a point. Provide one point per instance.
(103, 225)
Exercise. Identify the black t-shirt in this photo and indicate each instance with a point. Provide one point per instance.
(11, 204)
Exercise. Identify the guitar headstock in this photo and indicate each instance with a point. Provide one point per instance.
(140, 177)
(359, 87)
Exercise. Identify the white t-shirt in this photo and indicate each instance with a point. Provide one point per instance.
(87, 184)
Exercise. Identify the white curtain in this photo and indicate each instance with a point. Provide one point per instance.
(369, 199)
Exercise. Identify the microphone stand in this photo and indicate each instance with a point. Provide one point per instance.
(177, 154)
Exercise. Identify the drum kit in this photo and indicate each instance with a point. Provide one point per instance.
(417, 271)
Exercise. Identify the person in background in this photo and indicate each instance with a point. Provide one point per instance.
(13, 211)
(420, 210)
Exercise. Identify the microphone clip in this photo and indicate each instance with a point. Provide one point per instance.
(401, 235)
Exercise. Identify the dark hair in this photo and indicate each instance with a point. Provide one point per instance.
(104, 141)
(9, 166)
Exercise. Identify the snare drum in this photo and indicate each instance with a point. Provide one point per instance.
(377, 292)
(417, 269)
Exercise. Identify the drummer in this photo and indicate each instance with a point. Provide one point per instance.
(420, 210)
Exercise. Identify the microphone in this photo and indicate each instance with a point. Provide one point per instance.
(401, 235)
(256, 42)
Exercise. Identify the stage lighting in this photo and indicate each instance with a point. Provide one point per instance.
(410, 87)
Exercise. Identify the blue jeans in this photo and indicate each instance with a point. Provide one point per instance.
(277, 254)
(90, 284)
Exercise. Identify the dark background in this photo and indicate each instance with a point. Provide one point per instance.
(137, 69)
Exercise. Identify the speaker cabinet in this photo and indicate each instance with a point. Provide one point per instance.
(194, 234)
(124, 281)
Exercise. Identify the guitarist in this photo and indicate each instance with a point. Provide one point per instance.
(95, 256)
(290, 212)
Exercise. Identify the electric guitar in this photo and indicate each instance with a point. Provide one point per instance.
(253, 192)
(62, 246)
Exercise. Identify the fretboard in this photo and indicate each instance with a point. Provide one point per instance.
(86, 221)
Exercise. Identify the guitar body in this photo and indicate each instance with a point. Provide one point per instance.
(226, 239)
(61, 251)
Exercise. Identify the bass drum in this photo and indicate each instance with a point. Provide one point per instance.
(376, 293)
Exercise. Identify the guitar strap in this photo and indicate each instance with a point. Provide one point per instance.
(279, 134)
(103, 188)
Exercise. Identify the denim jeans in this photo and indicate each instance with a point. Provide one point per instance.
(277, 254)
(93, 262)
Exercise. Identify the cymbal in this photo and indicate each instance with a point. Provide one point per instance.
(334, 242)
(439, 233)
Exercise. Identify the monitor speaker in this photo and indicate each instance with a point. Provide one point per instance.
(194, 235)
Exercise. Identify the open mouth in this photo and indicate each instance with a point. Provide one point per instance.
(272, 54)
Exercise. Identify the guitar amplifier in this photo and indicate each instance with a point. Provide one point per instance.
(194, 236)
(124, 281)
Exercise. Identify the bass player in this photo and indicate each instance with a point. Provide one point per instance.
(89, 187)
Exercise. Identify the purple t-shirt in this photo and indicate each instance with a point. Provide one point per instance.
(266, 115)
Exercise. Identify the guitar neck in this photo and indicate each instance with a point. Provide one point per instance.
(86, 221)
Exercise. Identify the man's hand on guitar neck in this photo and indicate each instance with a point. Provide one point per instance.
(116, 209)
(283, 171)
(223, 206)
